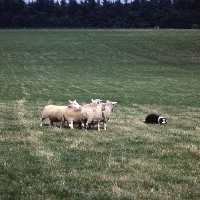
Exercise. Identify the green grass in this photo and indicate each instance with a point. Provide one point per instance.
(145, 71)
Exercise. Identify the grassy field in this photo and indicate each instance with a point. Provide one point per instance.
(145, 71)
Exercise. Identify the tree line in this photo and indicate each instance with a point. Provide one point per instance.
(183, 14)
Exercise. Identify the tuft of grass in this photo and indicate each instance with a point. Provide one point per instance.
(145, 71)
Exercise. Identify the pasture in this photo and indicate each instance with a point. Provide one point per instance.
(145, 71)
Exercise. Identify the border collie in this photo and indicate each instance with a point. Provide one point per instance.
(155, 119)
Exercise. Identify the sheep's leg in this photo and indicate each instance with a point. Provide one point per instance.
(66, 123)
(98, 125)
(83, 126)
(51, 122)
(80, 125)
(71, 125)
(86, 125)
(61, 124)
(104, 126)
(41, 120)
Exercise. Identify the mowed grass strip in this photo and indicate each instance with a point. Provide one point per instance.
(145, 71)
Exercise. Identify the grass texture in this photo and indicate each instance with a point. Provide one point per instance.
(145, 71)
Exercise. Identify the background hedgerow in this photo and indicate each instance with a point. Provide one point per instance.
(145, 71)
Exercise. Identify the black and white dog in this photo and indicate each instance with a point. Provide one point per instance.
(155, 119)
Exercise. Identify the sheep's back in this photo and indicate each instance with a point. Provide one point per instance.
(46, 110)
(72, 113)
(56, 112)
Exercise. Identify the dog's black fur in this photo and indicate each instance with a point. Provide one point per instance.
(155, 119)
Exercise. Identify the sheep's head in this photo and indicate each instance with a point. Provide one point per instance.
(73, 104)
(96, 100)
(103, 106)
(112, 104)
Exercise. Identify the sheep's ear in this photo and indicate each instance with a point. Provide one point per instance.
(92, 100)
(114, 102)
(70, 101)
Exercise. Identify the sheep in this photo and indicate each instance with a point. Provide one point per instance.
(109, 107)
(91, 114)
(72, 116)
(57, 113)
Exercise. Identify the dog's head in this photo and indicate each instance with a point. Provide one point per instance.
(162, 120)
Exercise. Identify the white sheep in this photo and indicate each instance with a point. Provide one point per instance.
(72, 116)
(58, 113)
(91, 114)
(109, 107)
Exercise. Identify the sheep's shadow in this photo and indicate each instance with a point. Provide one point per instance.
(76, 126)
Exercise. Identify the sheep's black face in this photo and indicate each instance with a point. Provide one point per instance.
(103, 107)
(113, 107)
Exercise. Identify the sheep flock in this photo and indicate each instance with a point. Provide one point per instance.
(85, 115)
